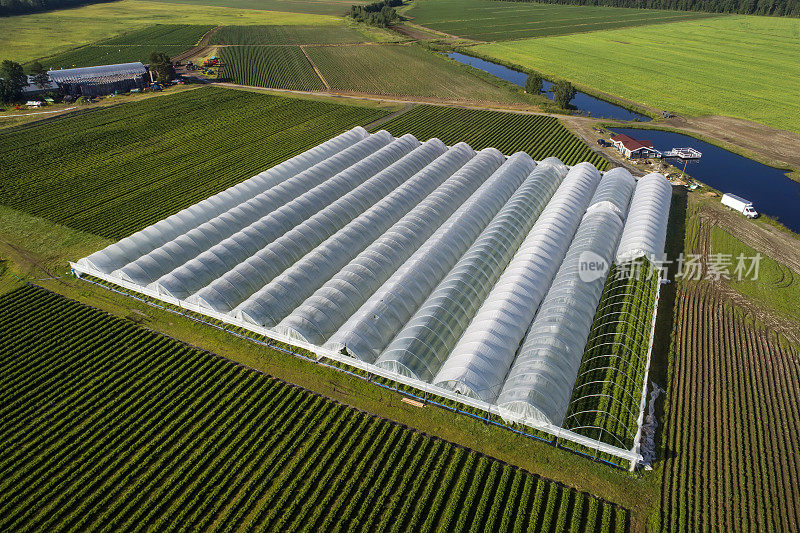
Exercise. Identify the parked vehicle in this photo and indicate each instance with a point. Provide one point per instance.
(737, 203)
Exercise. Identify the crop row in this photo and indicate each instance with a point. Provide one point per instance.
(110, 427)
(498, 21)
(136, 45)
(730, 443)
(606, 398)
(187, 35)
(101, 54)
(284, 35)
(538, 135)
(112, 171)
(280, 67)
(406, 71)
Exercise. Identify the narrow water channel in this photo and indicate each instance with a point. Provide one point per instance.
(770, 190)
(585, 103)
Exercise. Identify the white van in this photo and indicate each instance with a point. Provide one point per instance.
(737, 203)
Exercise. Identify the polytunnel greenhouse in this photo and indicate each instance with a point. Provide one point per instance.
(471, 276)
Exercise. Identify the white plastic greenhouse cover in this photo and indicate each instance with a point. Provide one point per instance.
(292, 263)
(645, 230)
(421, 347)
(539, 385)
(330, 306)
(241, 231)
(446, 269)
(234, 257)
(130, 248)
(480, 360)
(367, 332)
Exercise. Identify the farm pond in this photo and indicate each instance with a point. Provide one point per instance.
(585, 103)
(770, 189)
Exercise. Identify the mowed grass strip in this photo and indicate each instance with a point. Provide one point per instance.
(406, 71)
(540, 136)
(277, 67)
(737, 66)
(111, 427)
(112, 171)
(493, 20)
(253, 35)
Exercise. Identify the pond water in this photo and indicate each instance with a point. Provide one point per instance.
(588, 104)
(770, 190)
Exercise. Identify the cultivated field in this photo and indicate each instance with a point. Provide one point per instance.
(492, 20)
(731, 439)
(406, 71)
(257, 35)
(278, 67)
(24, 38)
(319, 7)
(171, 39)
(539, 136)
(737, 66)
(107, 426)
(97, 170)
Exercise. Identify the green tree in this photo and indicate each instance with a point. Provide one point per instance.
(563, 92)
(161, 64)
(534, 83)
(40, 76)
(13, 80)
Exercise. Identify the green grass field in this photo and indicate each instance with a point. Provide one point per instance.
(736, 66)
(108, 426)
(98, 170)
(404, 70)
(132, 46)
(265, 35)
(777, 286)
(538, 135)
(492, 20)
(278, 67)
(24, 38)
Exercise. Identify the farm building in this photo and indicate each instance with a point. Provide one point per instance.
(442, 268)
(32, 89)
(99, 80)
(634, 148)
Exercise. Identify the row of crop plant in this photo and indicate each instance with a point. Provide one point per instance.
(108, 426)
(606, 399)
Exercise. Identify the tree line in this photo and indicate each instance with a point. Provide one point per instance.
(790, 8)
(381, 14)
(19, 7)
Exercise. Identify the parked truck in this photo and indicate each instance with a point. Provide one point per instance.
(737, 203)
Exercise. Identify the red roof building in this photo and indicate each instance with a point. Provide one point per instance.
(634, 148)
